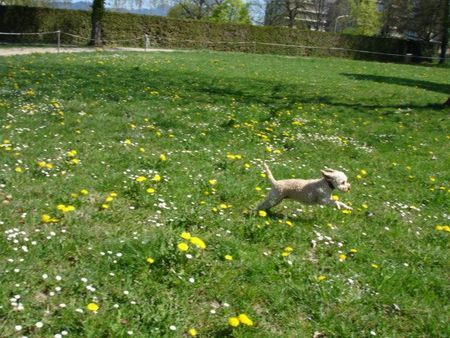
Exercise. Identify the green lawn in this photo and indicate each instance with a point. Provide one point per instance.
(107, 159)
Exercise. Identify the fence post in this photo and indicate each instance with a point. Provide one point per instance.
(59, 40)
(147, 42)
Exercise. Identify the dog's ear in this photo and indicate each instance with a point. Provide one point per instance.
(327, 173)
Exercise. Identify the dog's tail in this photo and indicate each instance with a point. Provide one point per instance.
(272, 180)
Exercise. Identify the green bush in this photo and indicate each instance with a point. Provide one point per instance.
(129, 29)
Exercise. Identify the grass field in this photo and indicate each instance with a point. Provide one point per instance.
(127, 183)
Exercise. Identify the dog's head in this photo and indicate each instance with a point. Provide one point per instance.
(337, 179)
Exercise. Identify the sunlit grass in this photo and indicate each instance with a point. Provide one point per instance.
(127, 183)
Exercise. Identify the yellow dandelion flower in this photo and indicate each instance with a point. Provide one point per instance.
(127, 141)
(141, 179)
(198, 242)
(446, 228)
(74, 161)
(321, 278)
(262, 213)
(363, 172)
(353, 251)
(342, 257)
(150, 260)
(228, 257)
(109, 199)
(346, 211)
(42, 164)
(46, 218)
(113, 194)
(162, 157)
(151, 190)
(72, 153)
(247, 165)
(192, 332)
(18, 170)
(156, 178)
(185, 235)
(212, 182)
(92, 307)
(288, 249)
(335, 197)
(234, 321)
(375, 266)
(105, 206)
(244, 319)
(183, 247)
(285, 254)
(84, 192)
(365, 205)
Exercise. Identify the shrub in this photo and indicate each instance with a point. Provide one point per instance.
(173, 33)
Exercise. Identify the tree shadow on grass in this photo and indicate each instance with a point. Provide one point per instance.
(431, 86)
(204, 88)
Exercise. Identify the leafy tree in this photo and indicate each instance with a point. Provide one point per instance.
(365, 18)
(396, 17)
(34, 3)
(292, 9)
(445, 33)
(98, 10)
(280, 12)
(273, 13)
(338, 15)
(426, 23)
(320, 13)
(235, 11)
(193, 9)
(178, 12)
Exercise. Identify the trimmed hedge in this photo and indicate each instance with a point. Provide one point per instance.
(172, 33)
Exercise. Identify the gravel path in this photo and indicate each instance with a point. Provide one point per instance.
(31, 50)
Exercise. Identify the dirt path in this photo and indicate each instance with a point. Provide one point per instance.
(31, 50)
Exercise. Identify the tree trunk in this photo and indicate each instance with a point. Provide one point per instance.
(98, 9)
(445, 28)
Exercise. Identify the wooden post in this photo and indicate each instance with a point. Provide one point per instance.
(59, 40)
(147, 42)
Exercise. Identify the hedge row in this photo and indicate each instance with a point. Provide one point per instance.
(171, 33)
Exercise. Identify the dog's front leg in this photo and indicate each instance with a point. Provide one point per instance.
(337, 204)
(343, 205)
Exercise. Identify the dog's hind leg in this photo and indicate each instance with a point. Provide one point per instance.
(272, 199)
